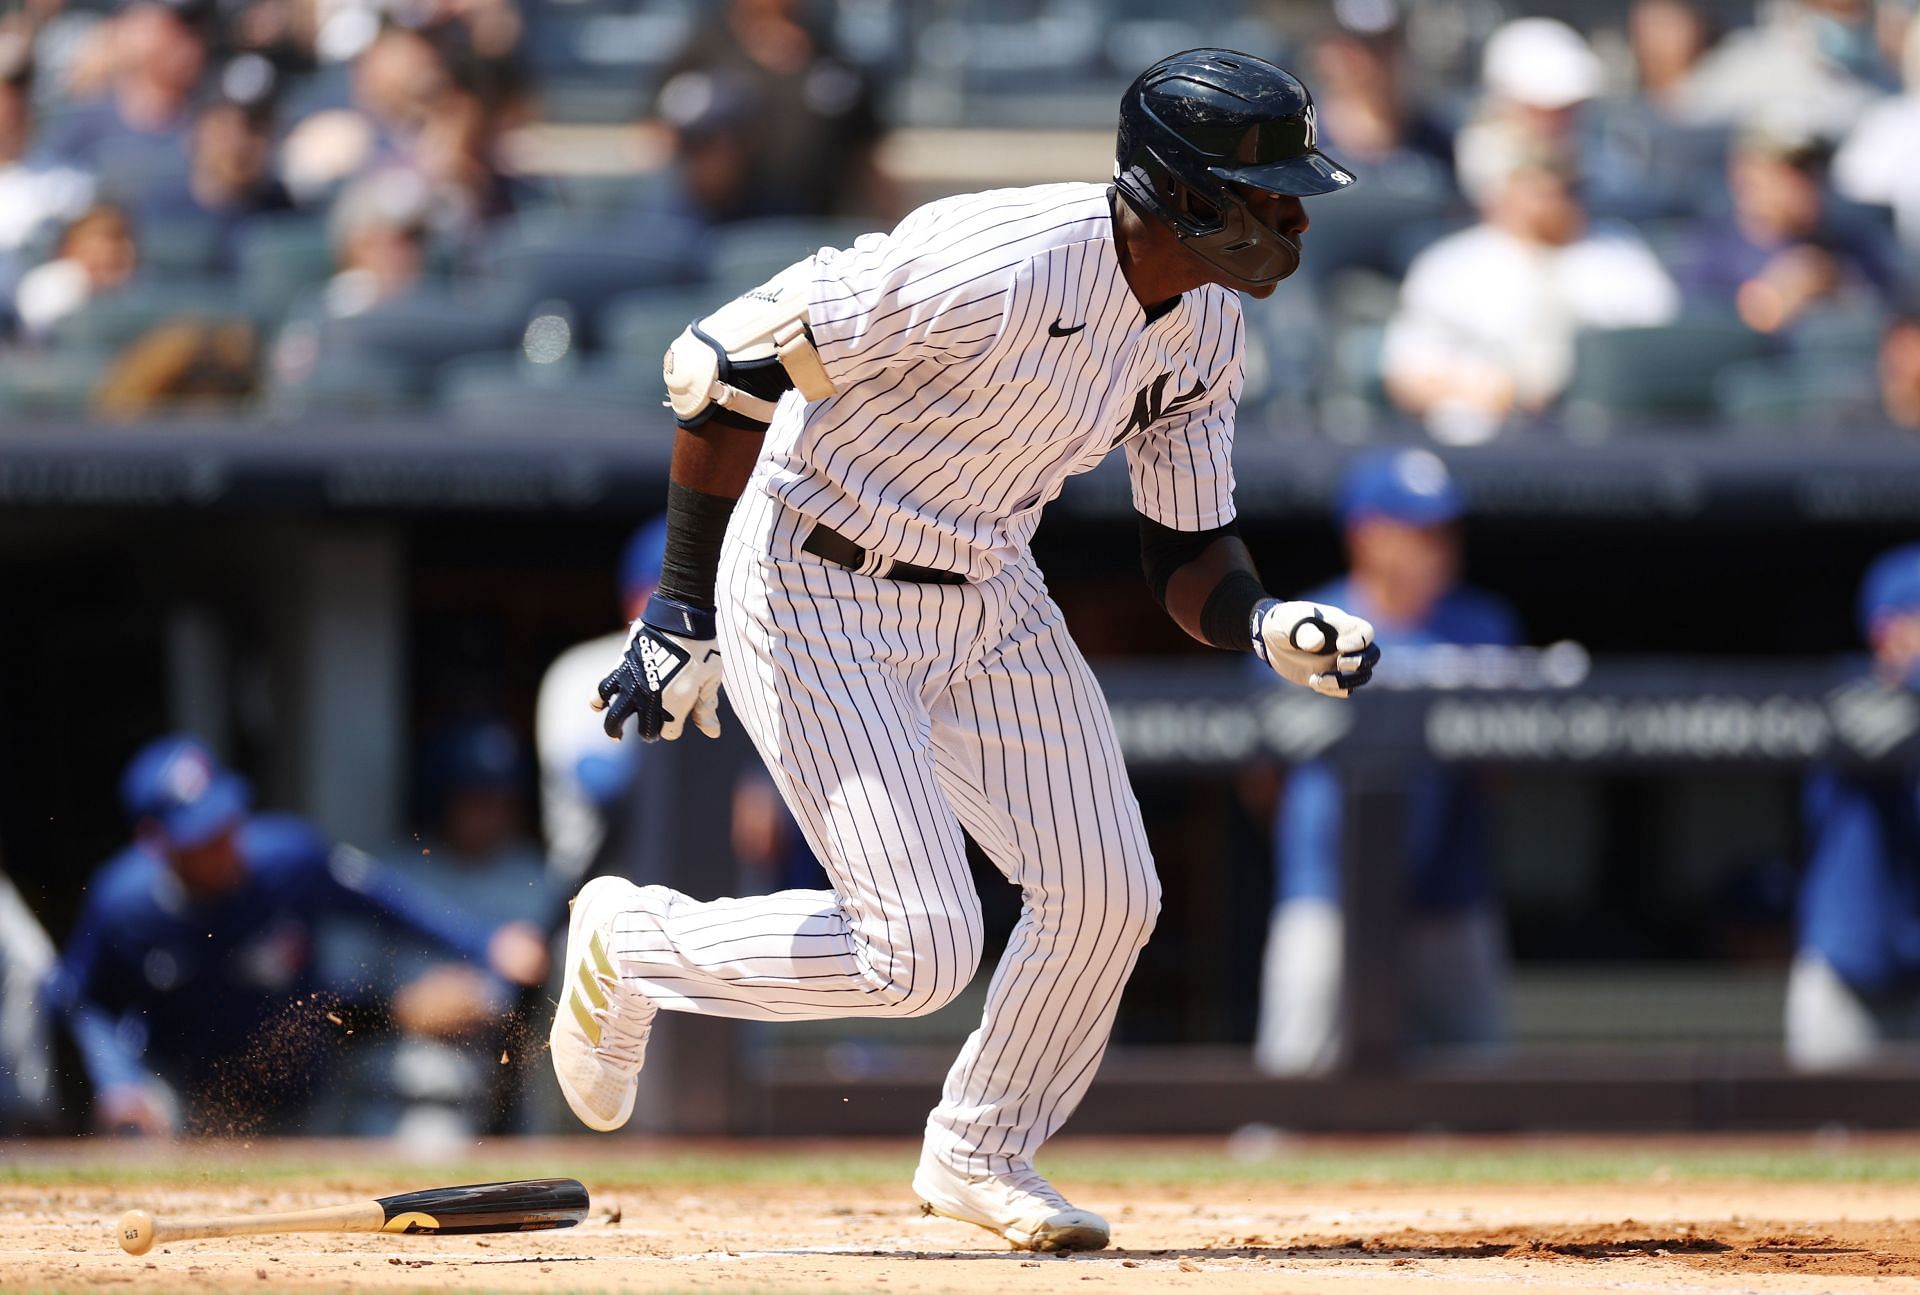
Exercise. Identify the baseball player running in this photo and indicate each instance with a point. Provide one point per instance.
(865, 446)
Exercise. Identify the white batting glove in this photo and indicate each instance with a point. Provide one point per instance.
(1315, 645)
(670, 671)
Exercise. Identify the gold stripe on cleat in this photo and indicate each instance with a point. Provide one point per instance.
(582, 1015)
(591, 987)
(600, 957)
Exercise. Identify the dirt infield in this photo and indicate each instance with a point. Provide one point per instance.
(1307, 1217)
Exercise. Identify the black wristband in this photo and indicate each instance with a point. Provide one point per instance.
(1226, 619)
(696, 525)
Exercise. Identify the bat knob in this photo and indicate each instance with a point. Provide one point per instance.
(136, 1232)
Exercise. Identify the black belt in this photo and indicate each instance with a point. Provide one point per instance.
(824, 542)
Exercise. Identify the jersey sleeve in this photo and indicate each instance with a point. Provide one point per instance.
(88, 988)
(894, 300)
(1182, 465)
(353, 881)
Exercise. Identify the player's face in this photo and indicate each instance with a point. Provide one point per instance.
(1281, 211)
(1417, 564)
(1896, 648)
(210, 869)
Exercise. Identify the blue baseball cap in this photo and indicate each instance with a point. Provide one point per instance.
(1891, 586)
(477, 755)
(641, 559)
(176, 782)
(1411, 486)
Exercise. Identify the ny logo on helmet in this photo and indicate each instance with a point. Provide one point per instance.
(1313, 126)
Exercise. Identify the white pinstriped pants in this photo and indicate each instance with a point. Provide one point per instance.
(890, 714)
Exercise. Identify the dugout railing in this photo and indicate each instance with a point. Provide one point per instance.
(1537, 709)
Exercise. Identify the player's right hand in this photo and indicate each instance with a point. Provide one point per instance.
(671, 671)
(1315, 645)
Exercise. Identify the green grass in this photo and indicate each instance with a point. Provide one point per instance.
(1307, 1164)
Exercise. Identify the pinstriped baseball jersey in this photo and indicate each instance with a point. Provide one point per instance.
(985, 351)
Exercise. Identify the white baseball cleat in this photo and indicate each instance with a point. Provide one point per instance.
(1022, 1207)
(599, 1037)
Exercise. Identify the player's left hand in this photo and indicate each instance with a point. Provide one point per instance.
(518, 952)
(1315, 645)
(671, 671)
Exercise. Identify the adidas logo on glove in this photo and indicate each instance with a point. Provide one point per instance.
(660, 660)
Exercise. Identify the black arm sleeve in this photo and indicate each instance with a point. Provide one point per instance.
(1164, 550)
(1226, 618)
(696, 524)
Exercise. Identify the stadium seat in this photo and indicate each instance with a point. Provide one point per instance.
(1840, 334)
(1804, 394)
(282, 259)
(349, 384)
(106, 324)
(425, 330)
(38, 383)
(183, 246)
(503, 392)
(749, 252)
(589, 267)
(1666, 371)
(640, 326)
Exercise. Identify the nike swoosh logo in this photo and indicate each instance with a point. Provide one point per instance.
(1054, 329)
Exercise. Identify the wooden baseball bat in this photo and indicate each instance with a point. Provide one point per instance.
(530, 1205)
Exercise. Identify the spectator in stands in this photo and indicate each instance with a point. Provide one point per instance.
(1785, 248)
(1367, 115)
(1487, 317)
(1668, 39)
(231, 178)
(136, 135)
(378, 228)
(96, 256)
(712, 116)
(190, 975)
(437, 1077)
(180, 366)
(34, 194)
(816, 129)
(26, 1050)
(1855, 982)
(1876, 162)
(1818, 56)
(1401, 514)
(1900, 370)
(398, 78)
(457, 154)
(1536, 75)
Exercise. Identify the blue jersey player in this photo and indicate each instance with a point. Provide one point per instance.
(1400, 512)
(1855, 982)
(190, 975)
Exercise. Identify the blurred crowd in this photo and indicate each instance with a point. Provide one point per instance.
(1669, 212)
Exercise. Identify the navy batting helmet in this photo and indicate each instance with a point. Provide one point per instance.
(1198, 123)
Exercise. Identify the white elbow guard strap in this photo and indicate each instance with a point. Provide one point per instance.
(745, 354)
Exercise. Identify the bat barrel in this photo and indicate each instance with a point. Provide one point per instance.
(528, 1205)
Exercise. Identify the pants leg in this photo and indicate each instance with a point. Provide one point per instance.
(1026, 752)
(1829, 1025)
(825, 669)
(1302, 1025)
